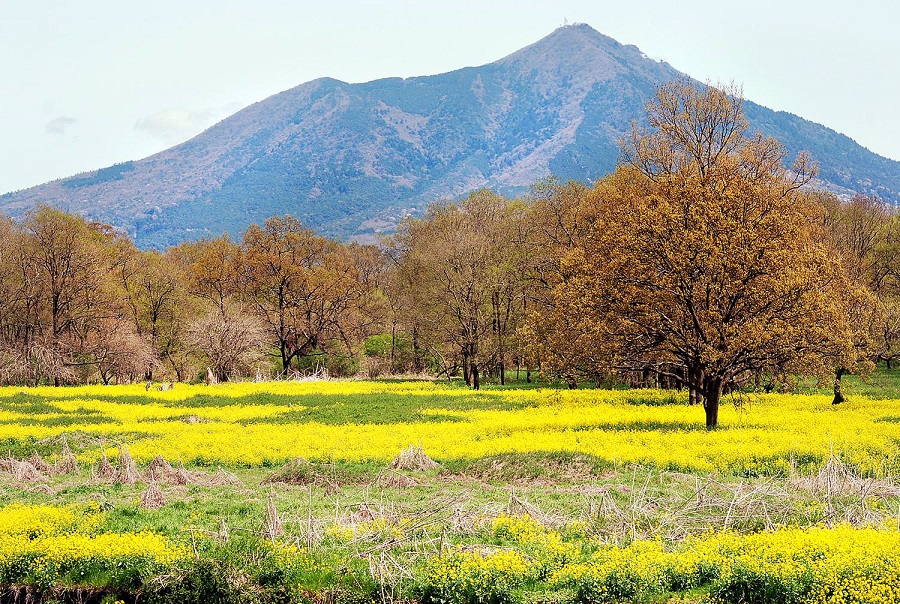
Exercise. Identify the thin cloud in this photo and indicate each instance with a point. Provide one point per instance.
(59, 125)
(176, 125)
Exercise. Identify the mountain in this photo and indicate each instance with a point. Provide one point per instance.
(350, 160)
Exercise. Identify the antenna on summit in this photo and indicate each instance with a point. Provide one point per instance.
(565, 22)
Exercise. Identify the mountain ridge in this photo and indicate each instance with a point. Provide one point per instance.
(350, 160)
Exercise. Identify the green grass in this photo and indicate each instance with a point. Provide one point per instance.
(882, 384)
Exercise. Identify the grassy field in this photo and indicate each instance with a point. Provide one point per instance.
(295, 492)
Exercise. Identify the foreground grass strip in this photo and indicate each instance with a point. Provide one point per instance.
(514, 559)
(842, 565)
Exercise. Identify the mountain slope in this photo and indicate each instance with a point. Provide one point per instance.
(351, 159)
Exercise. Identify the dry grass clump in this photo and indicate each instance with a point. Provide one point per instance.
(516, 506)
(223, 478)
(66, 464)
(105, 471)
(392, 479)
(159, 469)
(837, 478)
(162, 471)
(363, 513)
(414, 458)
(38, 462)
(153, 497)
(296, 471)
(22, 471)
(832, 478)
(126, 469)
(300, 471)
(183, 476)
(273, 527)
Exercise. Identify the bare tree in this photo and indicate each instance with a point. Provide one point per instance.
(232, 342)
(462, 268)
(310, 292)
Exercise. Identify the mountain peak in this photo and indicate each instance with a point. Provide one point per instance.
(350, 160)
(583, 32)
(578, 53)
(577, 38)
(577, 34)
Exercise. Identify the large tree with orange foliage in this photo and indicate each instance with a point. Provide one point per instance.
(703, 261)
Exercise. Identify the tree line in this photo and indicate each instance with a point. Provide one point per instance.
(702, 262)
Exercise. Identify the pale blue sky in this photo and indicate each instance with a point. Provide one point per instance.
(90, 83)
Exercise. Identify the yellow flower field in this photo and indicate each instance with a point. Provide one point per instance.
(842, 565)
(235, 424)
(41, 543)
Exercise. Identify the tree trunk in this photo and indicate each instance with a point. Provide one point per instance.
(476, 384)
(393, 347)
(285, 359)
(498, 331)
(418, 362)
(888, 361)
(694, 378)
(467, 367)
(838, 395)
(54, 326)
(712, 395)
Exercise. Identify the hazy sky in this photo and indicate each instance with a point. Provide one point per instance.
(90, 83)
